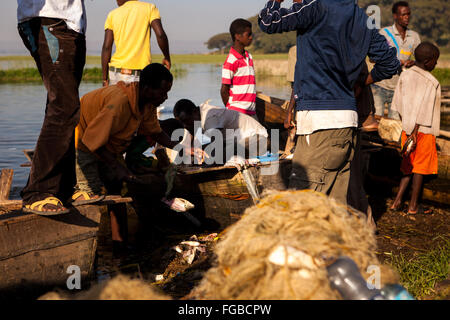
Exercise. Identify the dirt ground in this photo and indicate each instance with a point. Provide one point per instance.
(154, 259)
(399, 233)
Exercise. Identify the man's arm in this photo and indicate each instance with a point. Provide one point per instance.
(288, 121)
(106, 54)
(163, 41)
(122, 172)
(163, 139)
(302, 14)
(225, 93)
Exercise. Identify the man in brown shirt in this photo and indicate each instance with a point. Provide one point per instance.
(110, 118)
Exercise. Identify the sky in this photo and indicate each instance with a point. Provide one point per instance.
(188, 23)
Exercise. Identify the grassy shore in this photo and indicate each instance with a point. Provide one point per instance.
(176, 58)
(419, 274)
(265, 65)
(27, 75)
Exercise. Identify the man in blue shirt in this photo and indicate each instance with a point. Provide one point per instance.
(335, 36)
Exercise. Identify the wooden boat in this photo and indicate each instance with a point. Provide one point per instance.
(271, 110)
(220, 194)
(36, 251)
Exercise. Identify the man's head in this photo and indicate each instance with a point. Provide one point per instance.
(401, 13)
(427, 55)
(154, 83)
(241, 30)
(186, 112)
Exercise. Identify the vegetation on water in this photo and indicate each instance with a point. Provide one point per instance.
(419, 274)
(89, 75)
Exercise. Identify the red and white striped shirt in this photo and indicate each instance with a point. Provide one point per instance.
(238, 72)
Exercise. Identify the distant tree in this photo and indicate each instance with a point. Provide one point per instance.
(220, 42)
(429, 18)
(270, 43)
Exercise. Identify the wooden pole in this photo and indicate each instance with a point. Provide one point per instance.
(6, 177)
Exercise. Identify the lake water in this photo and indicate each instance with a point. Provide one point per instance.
(22, 110)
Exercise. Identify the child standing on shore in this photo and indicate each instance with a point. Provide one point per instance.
(418, 99)
(238, 89)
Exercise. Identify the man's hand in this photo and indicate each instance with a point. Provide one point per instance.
(199, 154)
(409, 63)
(288, 121)
(105, 83)
(166, 62)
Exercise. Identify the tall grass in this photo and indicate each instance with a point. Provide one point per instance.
(420, 274)
(176, 58)
(268, 65)
(89, 75)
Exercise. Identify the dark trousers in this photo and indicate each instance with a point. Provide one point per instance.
(60, 55)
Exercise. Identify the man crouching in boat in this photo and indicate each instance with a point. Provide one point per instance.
(241, 134)
(110, 118)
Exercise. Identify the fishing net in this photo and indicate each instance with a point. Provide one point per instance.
(281, 247)
(118, 288)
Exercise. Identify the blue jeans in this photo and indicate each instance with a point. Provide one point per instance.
(382, 97)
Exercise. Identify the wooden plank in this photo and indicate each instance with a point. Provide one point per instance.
(37, 272)
(29, 154)
(108, 200)
(6, 177)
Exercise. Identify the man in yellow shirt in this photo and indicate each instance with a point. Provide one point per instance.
(129, 27)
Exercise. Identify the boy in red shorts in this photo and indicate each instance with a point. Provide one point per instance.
(418, 99)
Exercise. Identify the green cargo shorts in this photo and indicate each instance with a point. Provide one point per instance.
(322, 160)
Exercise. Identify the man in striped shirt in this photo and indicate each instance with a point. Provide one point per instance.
(238, 75)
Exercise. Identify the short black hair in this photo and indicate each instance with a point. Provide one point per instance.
(238, 26)
(399, 4)
(153, 75)
(426, 51)
(183, 105)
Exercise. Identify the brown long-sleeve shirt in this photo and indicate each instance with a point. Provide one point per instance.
(110, 117)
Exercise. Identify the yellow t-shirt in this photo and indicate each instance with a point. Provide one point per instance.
(130, 24)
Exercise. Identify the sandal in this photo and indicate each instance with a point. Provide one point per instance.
(399, 208)
(37, 207)
(89, 198)
(421, 210)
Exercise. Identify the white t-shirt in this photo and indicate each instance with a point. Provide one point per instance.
(309, 121)
(418, 100)
(213, 117)
(72, 12)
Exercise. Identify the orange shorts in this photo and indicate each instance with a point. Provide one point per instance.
(423, 160)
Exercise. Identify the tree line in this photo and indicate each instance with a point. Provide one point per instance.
(429, 18)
